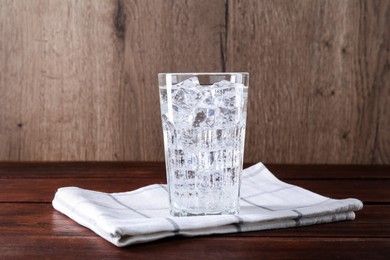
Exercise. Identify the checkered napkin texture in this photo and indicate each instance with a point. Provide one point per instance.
(142, 215)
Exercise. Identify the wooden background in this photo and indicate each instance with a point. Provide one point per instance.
(78, 79)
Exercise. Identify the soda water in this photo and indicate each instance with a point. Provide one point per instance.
(204, 132)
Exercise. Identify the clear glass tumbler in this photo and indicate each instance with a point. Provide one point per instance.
(204, 120)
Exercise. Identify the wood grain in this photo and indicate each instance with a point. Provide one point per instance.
(319, 88)
(37, 182)
(59, 76)
(33, 228)
(145, 170)
(43, 219)
(78, 78)
(162, 36)
(19, 190)
(200, 247)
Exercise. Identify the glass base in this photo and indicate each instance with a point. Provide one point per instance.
(185, 213)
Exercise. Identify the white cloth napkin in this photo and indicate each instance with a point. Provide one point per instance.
(142, 215)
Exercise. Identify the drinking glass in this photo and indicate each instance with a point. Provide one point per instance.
(204, 120)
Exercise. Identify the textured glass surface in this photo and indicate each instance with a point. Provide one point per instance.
(204, 120)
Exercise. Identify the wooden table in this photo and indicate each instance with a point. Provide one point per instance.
(30, 227)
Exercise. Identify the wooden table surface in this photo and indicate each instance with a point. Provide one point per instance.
(30, 227)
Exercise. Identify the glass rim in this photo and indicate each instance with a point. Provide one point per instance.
(203, 73)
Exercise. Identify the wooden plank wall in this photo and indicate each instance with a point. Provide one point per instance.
(78, 78)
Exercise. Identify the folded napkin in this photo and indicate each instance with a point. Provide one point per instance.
(142, 215)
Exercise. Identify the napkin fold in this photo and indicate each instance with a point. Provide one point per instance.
(142, 215)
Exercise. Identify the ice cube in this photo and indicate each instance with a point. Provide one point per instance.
(187, 95)
(167, 125)
(189, 83)
(222, 84)
(226, 116)
(179, 157)
(191, 160)
(204, 117)
(190, 181)
(225, 93)
(229, 101)
(200, 116)
(203, 182)
(216, 180)
(188, 136)
(208, 97)
(169, 128)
